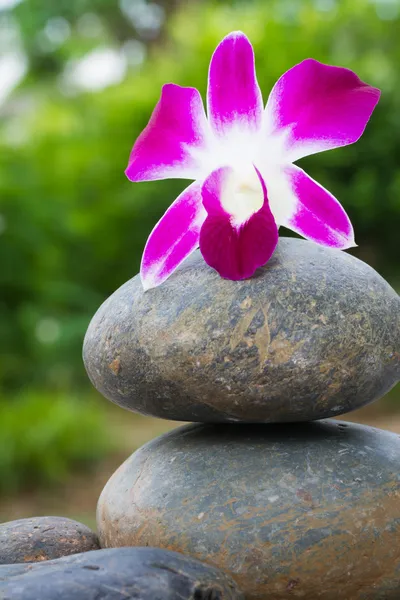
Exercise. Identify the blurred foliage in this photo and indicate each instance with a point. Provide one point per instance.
(104, 21)
(72, 227)
(44, 437)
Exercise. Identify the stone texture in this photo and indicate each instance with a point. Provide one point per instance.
(307, 510)
(136, 573)
(43, 538)
(315, 333)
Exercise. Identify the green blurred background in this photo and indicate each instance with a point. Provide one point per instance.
(78, 82)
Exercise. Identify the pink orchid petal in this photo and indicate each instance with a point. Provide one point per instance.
(174, 237)
(235, 251)
(234, 96)
(170, 143)
(317, 216)
(319, 107)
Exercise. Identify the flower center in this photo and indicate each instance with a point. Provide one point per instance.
(242, 194)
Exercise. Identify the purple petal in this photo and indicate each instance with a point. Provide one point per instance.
(235, 251)
(174, 237)
(319, 107)
(317, 215)
(233, 96)
(171, 142)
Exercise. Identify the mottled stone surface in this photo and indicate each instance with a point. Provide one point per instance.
(43, 538)
(123, 573)
(308, 510)
(315, 333)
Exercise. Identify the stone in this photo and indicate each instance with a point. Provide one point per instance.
(305, 510)
(43, 538)
(315, 333)
(116, 574)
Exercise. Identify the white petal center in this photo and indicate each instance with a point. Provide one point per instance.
(242, 150)
(242, 194)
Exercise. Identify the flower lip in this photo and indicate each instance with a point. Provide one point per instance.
(235, 249)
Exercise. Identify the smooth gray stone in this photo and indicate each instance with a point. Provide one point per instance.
(306, 510)
(43, 538)
(123, 573)
(315, 333)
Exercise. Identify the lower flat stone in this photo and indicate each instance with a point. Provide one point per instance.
(304, 510)
(43, 538)
(136, 573)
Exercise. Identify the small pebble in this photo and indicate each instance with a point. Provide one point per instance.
(43, 538)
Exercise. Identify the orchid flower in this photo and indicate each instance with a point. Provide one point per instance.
(241, 160)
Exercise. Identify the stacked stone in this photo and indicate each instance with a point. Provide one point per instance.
(277, 498)
(266, 488)
(287, 504)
